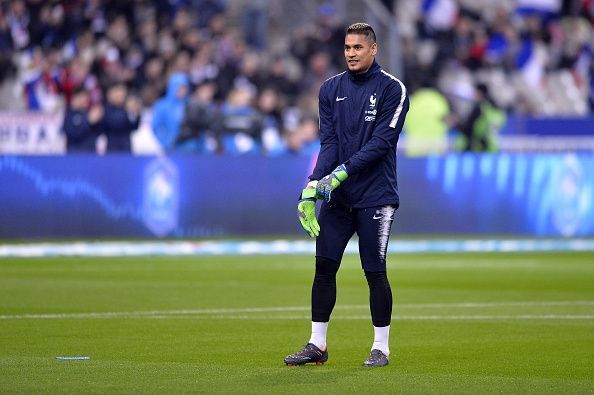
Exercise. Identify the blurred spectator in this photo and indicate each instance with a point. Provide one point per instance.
(326, 35)
(77, 73)
(151, 81)
(202, 67)
(11, 94)
(319, 70)
(426, 123)
(121, 117)
(5, 36)
(48, 26)
(439, 18)
(168, 112)
(41, 81)
(269, 105)
(419, 68)
(281, 80)
(81, 122)
(239, 124)
(199, 116)
(480, 129)
(236, 65)
(304, 140)
(18, 20)
(250, 72)
(208, 10)
(254, 23)
(180, 63)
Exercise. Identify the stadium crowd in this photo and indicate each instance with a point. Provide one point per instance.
(534, 56)
(209, 84)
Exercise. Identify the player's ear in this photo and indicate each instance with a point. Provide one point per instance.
(374, 49)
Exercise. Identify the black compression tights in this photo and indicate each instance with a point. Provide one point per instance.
(380, 298)
(323, 291)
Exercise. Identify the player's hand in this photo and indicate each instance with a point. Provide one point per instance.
(329, 183)
(307, 212)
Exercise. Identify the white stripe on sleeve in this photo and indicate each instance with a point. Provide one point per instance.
(396, 116)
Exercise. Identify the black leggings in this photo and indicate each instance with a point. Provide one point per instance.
(323, 293)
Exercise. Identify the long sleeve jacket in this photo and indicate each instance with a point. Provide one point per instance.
(361, 117)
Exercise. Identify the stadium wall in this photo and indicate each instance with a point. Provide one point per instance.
(32, 133)
(92, 196)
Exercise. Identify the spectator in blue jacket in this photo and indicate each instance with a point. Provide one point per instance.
(168, 113)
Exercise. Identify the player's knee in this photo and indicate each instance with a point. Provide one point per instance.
(377, 279)
(325, 266)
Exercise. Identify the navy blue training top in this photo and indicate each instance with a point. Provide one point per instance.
(361, 117)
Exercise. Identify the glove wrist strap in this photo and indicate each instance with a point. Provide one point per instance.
(308, 194)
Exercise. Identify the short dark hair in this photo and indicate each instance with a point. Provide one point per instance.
(364, 29)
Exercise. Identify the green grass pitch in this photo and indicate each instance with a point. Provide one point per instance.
(463, 323)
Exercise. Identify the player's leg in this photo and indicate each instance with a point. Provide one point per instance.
(336, 228)
(373, 228)
(323, 299)
(380, 304)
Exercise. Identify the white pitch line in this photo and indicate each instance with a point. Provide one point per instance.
(223, 311)
(497, 304)
(116, 314)
(367, 317)
(484, 317)
(339, 317)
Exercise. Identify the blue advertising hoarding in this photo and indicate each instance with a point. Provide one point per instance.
(218, 196)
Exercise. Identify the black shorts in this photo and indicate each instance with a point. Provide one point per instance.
(372, 225)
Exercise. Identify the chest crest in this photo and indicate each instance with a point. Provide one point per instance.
(370, 109)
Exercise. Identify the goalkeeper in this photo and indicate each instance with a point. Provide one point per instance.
(362, 112)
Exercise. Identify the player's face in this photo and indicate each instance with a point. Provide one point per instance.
(358, 52)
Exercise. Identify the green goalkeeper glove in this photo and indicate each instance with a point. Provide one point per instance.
(329, 183)
(307, 212)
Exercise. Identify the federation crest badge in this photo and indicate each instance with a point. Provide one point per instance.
(372, 100)
(161, 196)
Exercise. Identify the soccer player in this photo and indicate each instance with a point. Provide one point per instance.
(362, 111)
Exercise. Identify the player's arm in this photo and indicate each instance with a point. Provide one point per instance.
(327, 159)
(388, 126)
(328, 156)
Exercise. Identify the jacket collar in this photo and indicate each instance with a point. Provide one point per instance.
(360, 77)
